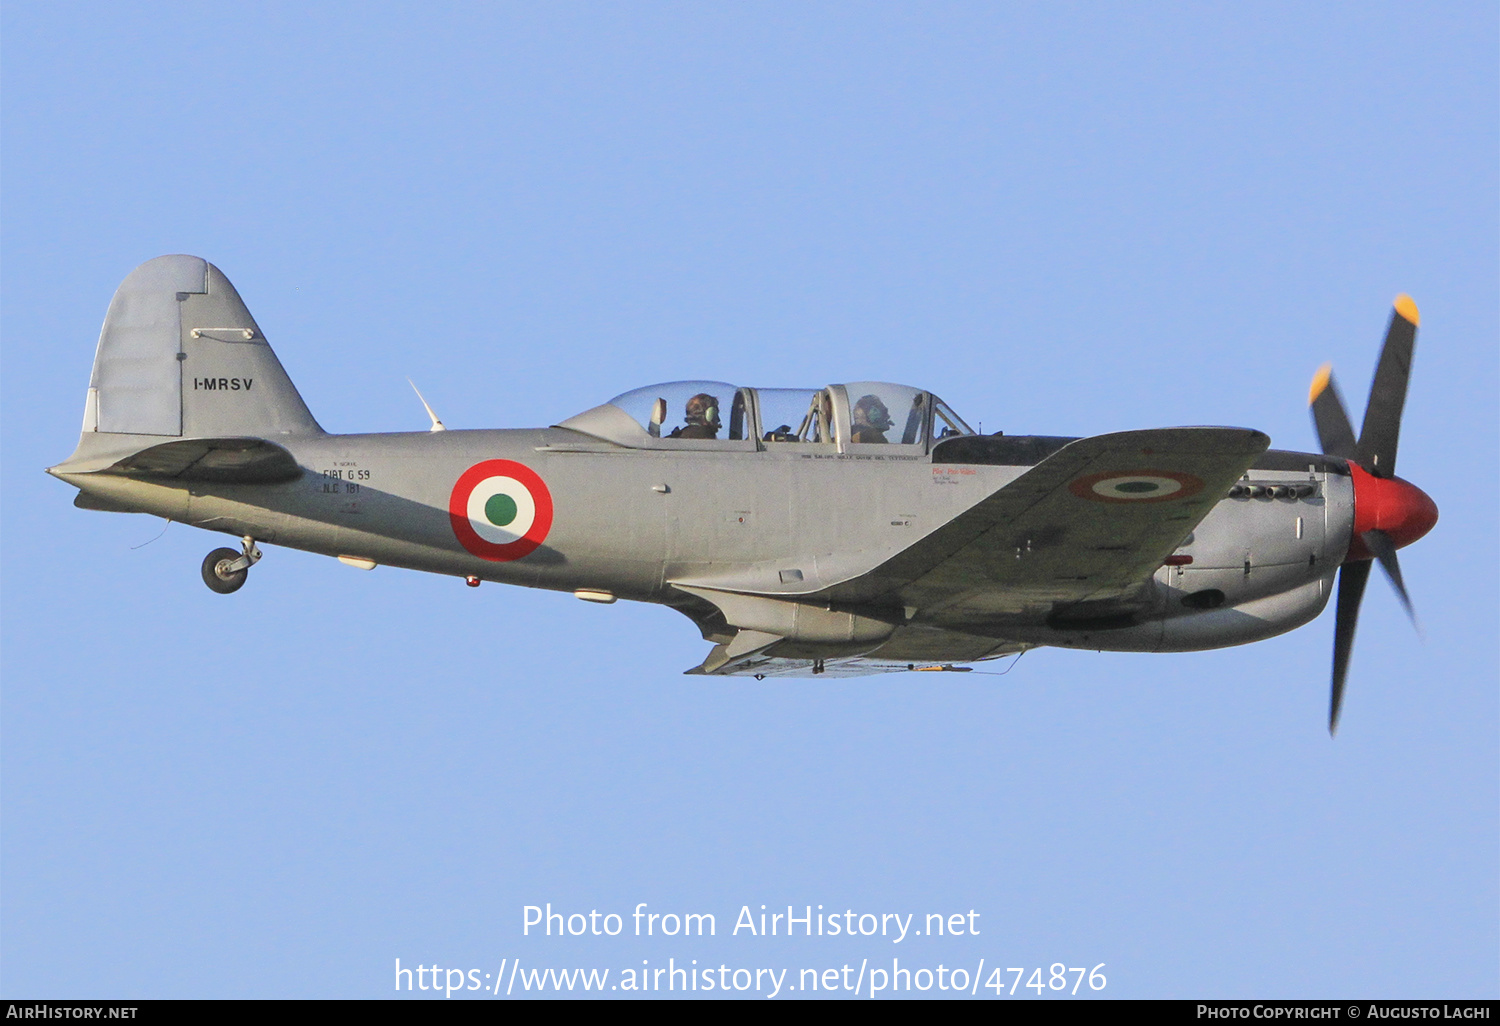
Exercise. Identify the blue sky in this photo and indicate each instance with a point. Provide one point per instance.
(1063, 219)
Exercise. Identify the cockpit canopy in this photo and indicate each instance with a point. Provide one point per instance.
(718, 415)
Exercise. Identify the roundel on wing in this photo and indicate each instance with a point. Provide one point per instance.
(500, 510)
(1136, 486)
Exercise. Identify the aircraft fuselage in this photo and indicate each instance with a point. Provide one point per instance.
(627, 523)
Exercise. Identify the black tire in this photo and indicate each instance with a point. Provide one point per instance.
(221, 582)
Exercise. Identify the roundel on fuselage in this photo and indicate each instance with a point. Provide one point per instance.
(500, 510)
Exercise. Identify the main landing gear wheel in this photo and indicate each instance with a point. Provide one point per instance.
(218, 576)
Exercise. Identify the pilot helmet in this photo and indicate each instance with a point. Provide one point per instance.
(703, 409)
(870, 410)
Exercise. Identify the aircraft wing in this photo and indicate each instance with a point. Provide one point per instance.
(1089, 524)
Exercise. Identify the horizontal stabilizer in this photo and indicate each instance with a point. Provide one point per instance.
(220, 460)
(103, 504)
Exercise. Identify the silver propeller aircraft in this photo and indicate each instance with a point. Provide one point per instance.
(844, 530)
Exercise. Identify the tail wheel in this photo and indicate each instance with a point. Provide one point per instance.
(218, 576)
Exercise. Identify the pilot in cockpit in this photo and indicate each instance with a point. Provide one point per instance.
(702, 418)
(871, 420)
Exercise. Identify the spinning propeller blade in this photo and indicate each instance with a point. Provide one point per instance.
(1388, 512)
(1382, 427)
(1352, 578)
(1379, 543)
(1330, 418)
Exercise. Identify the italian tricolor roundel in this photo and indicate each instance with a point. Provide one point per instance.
(501, 510)
(1136, 486)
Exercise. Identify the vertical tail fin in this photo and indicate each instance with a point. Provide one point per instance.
(180, 356)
